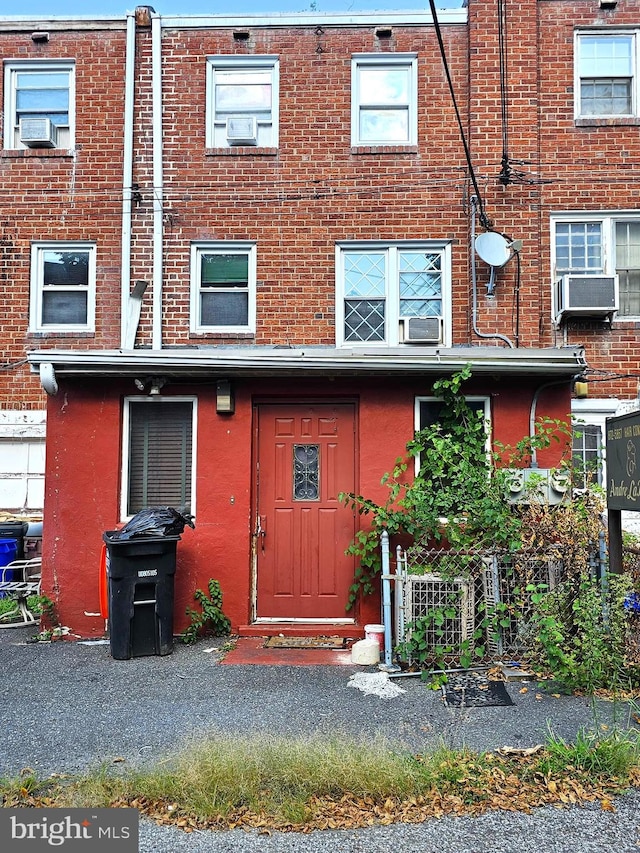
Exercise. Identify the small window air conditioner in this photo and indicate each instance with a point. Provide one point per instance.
(38, 133)
(421, 330)
(586, 296)
(242, 130)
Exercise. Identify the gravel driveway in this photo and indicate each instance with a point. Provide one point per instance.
(69, 706)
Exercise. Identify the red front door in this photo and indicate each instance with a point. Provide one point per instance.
(305, 458)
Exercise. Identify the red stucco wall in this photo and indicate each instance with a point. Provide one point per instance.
(84, 465)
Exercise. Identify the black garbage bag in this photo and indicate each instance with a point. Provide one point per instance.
(155, 521)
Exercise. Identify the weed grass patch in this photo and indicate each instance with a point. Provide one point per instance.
(301, 784)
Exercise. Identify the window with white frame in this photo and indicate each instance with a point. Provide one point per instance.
(39, 104)
(586, 454)
(158, 454)
(382, 288)
(63, 287)
(223, 287)
(242, 101)
(601, 245)
(384, 99)
(589, 420)
(606, 74)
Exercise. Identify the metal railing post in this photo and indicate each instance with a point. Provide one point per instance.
(387, 615)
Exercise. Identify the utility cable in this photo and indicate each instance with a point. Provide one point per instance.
(506, 175)
(484, 220)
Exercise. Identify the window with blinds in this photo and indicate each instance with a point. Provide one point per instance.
(160, 455)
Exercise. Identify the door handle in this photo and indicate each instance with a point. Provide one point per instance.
(262, 530)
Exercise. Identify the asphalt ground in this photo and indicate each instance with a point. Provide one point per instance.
(68, 707)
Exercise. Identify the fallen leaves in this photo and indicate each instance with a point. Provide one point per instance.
(508, 780)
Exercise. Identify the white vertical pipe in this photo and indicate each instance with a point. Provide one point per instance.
(127, 176)
(156, 72)
(386, 598)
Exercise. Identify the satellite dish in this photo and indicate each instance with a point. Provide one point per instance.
(493, 248)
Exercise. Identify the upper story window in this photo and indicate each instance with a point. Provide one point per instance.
(63, 287)
(606, 74)
(384, 100)
(39, 104)
(601, 246)
(389, 294)
(223, 287)
(242, 101)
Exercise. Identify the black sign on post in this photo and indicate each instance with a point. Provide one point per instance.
(623, 462)
(623, 479)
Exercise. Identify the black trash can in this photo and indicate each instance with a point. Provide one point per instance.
(140, 576)
(15, 530)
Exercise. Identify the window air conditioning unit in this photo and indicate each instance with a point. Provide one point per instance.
(242, 130)
(421, 330)
(38, 133)
(586, 296)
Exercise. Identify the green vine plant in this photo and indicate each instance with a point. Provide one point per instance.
(459, 499)
(210, 620)
(458, 496)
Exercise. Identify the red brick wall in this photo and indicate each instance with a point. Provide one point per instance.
(297, 200)
(50, 194)
(566, 167)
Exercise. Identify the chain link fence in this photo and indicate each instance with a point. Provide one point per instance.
(483, 601)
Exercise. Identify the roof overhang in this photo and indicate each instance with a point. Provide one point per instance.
(223, 362)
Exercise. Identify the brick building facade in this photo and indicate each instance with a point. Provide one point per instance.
(251, 245)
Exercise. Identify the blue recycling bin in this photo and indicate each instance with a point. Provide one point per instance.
(8, 551)
(15, 530)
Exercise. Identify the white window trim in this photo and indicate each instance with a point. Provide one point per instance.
(384, 59)
(596, 412)
(607, 220)
(37, 288)
(124, 478)
(635, 88)
(223, 248)
(392, 300)
(11, 68)
(469, 398)
(266, 62)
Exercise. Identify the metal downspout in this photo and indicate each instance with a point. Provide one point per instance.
(156, 65)
(127, 176)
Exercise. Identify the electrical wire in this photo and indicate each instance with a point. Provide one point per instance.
(11, 365)
(484, 220)
(505, 172)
